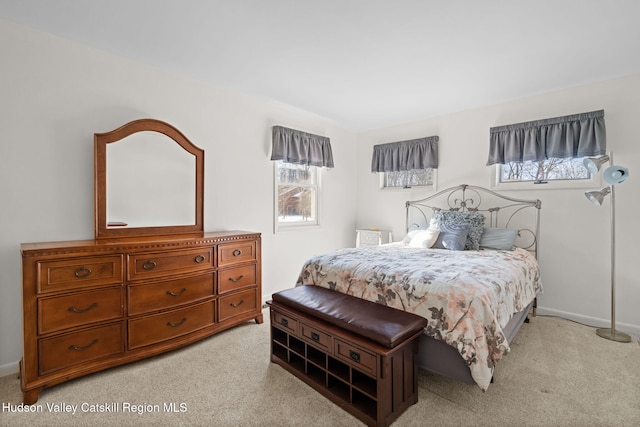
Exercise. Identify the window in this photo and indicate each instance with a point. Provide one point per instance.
(544, 170)
(554, 149)
(298, 156)
(297, 191)
(553, 173)
(406, 164)
(408, 179)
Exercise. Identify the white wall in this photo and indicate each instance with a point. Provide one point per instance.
(574, 241)
(56, 94)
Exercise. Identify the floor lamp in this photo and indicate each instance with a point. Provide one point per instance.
(612, 175)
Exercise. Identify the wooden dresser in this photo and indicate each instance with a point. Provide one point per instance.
(94, 304)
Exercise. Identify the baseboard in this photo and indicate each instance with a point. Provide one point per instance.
(9, 369)
(590, 321)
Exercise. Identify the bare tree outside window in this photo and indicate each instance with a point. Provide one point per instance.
(544, 171)
(297, 192)
(406, 179)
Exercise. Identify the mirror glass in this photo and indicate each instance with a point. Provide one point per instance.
(150, 182)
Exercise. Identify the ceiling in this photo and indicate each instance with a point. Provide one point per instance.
(363, 64)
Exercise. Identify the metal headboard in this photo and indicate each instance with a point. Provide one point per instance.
(500, 211)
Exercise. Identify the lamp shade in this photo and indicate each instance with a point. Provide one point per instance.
(593, 164)
(616, 174)
(597, 197)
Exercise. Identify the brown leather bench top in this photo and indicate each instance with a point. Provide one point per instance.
(385, 325)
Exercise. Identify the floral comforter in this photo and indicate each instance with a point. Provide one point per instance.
(467, 297)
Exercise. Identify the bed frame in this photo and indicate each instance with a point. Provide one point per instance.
(500, 212)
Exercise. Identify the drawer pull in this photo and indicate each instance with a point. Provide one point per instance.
(83, 272)
(175, 325)
(236, 280)
(237, 252)
(315, 337)
(76, 348)
(284, 322)
(177, 294)
(79, 310)
(238, 304)
(149, 265)
(354, 356)
(199, 259)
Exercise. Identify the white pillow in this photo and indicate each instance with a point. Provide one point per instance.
(424, 238)
(409, 236)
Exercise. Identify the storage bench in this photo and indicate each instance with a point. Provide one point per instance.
(359, 354)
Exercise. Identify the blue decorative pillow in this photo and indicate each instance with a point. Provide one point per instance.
(498, 238)
(452, 237)
(473, 220)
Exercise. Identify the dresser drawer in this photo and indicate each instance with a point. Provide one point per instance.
(76, 273)
(236, 252)
(316, 337)
(164, 326)
(160, 264)
(80, 347)
(235, 278)
(81, 308)
(238, 303)
(356, 357)
(167, 294)
(284, 322)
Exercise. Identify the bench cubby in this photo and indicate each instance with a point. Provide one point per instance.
(374, 383)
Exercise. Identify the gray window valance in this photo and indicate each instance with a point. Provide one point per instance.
(575, 136)
(421, 153)
(294, 146)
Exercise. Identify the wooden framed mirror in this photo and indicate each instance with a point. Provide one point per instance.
(149, 181)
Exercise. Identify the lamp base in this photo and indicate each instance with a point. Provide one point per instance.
(612, 335)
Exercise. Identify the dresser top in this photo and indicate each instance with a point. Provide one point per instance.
(138, 242)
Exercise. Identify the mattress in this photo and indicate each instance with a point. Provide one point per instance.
(467, 297)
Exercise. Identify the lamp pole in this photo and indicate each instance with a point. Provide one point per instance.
(611, 333)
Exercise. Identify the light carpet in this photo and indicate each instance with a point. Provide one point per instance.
(558, 373)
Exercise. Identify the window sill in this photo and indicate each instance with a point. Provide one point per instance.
(294, 226)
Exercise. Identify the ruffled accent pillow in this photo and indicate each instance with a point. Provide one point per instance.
(473, 220)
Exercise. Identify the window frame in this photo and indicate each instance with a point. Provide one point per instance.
(293, 225)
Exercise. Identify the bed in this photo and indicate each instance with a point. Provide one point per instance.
(468, 264)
